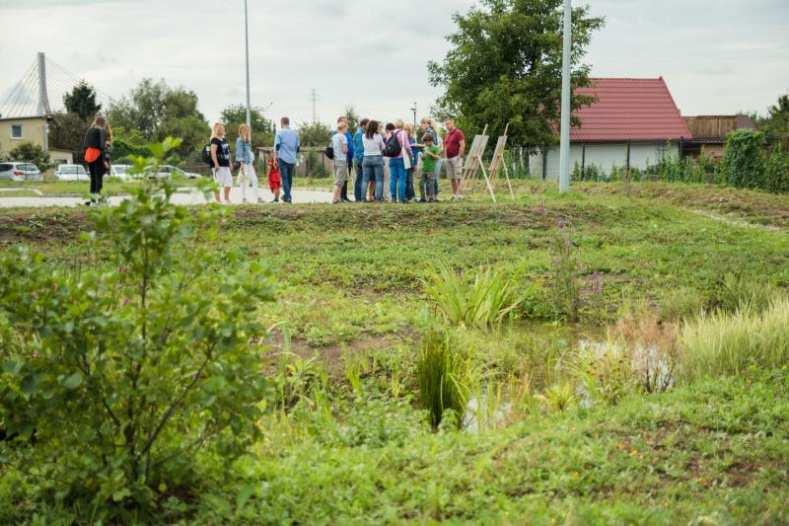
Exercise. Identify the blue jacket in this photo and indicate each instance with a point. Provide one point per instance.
(358, 145)
(244, 152)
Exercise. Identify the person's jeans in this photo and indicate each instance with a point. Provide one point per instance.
(409, 184)
(97, 170)
(373, 170)
(397, 179)
(286, 172)
(359, 190)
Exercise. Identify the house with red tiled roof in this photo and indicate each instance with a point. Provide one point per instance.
(632, 123)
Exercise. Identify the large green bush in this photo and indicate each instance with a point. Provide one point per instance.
(31, 153)
(743, 159)
(776, 173)
(113, 375)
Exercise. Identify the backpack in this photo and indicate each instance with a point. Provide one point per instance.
(392, 147)
(329, 151)
(207, 155)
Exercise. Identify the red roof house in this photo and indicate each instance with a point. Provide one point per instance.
(632, 123)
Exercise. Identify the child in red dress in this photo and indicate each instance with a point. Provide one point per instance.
(274, 178)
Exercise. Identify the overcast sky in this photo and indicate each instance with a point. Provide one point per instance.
(718, 56)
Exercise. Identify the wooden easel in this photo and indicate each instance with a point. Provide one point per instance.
(498, 161)
(474, 162)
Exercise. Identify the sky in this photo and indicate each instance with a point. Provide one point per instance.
(717, 56)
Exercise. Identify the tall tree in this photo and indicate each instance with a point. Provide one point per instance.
(314, 134)
(505, 66)
(157, 110)
(66, 131)
(81, 100)
(353, 117)
(262, 128)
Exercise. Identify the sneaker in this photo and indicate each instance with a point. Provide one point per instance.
(275, 200)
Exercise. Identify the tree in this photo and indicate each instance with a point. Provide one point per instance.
(314, 134)
(353, 118)
(262, 128)
(776, 125)
(158, 111)
(81, 100)
(67, 131)
(505, 67)
(31, 153)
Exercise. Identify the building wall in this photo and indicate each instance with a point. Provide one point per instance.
(605, 157)
(32, 131)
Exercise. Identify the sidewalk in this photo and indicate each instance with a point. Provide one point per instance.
(192, 197)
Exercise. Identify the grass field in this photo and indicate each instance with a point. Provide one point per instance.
(554, 433)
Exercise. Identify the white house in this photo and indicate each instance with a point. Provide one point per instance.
(633, 123)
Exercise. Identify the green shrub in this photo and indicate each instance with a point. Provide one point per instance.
(443, 375)
(743, 159)
(723, 343)
(118, 373)
(485, 301)
(31, 153)
(776, 171)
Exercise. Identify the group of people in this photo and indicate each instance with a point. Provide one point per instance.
(359, 158)
(411, 155)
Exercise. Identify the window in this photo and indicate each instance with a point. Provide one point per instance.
(16, 131)
(6, 167)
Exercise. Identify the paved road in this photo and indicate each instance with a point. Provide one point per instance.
(192, 197)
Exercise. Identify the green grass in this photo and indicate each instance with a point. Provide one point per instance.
(346, 440)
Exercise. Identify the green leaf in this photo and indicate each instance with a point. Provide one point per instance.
(73, 381)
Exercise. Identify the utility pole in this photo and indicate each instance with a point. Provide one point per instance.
(564, 147)
(314, 99)
(43, 98)
(414, 110)
(246, 46)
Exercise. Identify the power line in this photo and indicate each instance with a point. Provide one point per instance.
(13, 97)
(314, 98)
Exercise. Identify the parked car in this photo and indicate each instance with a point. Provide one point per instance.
(166, 171)
(71, 172)
(121, 171)
(20, 171)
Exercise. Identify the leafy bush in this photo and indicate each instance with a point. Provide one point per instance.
(723, 343)
(116, 374)
(776, 171)
(31, 153)
(443, 376)
(743, 159)
(484, 302)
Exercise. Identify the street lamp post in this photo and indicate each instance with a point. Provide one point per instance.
(564, 148)
(246, 45)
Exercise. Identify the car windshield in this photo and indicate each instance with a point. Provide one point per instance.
(29, 167)
(67, 169)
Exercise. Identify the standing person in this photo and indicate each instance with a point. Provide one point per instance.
(410, 194)
(220, 158)
(430, 156)
(373, 162)
(388, 131)
(274, 178)
(454, 148)
(428, 127)
(398, 148)
(348, 156)
(286, 148)
(246, 158)
(95, 155)
(358, 159)
(339, 143)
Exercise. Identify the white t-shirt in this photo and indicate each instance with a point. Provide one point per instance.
(374, 146)
(339, 140)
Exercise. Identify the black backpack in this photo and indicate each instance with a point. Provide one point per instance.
(207, 155)
(329, 151)
(392, 147)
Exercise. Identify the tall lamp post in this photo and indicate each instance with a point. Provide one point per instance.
(246, 45)
(564, 148)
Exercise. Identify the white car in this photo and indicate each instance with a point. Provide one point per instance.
(20, 171)
(166, 171)
(121, 171)
(71, 172)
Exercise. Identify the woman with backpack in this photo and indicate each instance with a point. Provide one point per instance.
(373, 161)
(96, 156)
(398, 150)
(220, 161)
(246, 159)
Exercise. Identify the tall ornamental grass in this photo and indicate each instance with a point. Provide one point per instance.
(722, 344)
(484, 302)
(443, 376)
